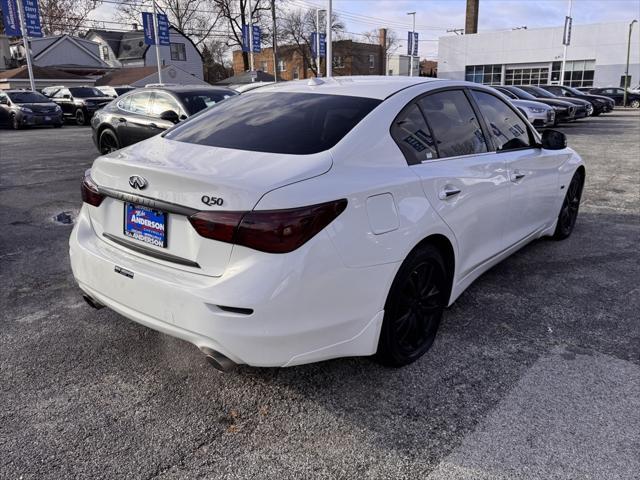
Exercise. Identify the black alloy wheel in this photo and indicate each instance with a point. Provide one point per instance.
(570, 206)
(414, 308)
(80, 117)
(108, 142)
(15, 122)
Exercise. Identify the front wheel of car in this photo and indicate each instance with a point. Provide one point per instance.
(108, 142)
(635, 104)
(81, 118)
(570, 206)
(15, 122)
(414, 308)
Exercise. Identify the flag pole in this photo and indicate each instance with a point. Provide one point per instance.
(25, 42)
(157, 42)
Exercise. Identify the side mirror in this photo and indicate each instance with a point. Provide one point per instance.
(4, 101)
(170, 116)
(66, 95)
(553, 140)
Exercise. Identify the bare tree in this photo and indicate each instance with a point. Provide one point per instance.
(296, 27)
(196, 18)
(391, 45)
(65, 16)
(235, 13)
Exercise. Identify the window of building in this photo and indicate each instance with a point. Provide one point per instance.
(412, 135)
(485, 74)
(577, 73)
(454, 124)
(282, 66)
(338, 61)
(105, 52)
(263, 66)
(372, 61)
(526, 76)
(506, 129)
(178, 52)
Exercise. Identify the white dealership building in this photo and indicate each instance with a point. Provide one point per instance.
(596, 56)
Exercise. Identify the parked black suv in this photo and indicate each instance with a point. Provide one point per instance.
(584, 108)
(565, 111)
(80, 103)
(22, 108)
(600, 104)
(145, 112)
(617, 95)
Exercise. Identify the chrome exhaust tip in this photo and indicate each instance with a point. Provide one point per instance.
(218, 360)
(92, 302)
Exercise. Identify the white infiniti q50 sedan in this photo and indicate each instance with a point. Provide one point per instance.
(310, 220)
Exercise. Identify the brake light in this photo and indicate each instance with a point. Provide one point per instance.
(90, 193)
(271, 231)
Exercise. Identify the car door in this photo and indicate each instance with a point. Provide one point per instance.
(133, 121)
(161, 102)
(64, 98)
(532, 171)
(464, 182)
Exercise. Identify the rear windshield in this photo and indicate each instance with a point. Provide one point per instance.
(542, 92)
(524, 95)
(86, 92)
(195, 101)
(27, 97)
(276, 122)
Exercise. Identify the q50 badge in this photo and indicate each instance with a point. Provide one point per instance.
(211, 201)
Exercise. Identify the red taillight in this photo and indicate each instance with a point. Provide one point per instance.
(90, 193)
(271, 231)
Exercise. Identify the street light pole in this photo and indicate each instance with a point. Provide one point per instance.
(329, 53)
(250, 37)
(566, 44)
(626, 71)
(25, 42)
(413, 38)
(155, 39)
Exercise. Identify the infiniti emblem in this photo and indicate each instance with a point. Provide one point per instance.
(138, 182)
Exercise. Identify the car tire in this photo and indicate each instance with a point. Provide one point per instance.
(635, 104)
(413, 309)
(108, 142)
(57, 125)
(570, 206)
(81, 118)
(15, 123)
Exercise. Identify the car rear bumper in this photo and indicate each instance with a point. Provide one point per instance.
(306, 306)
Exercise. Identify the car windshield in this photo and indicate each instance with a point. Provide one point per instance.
(575, 91)
(522, 93)
(541, 92)
(276, 122)
(86, 92)
(27, 97)
(198, 100)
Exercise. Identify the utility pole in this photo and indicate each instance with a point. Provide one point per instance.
(566, 40)
(413, 39)
(318, 10)
(157, 42)
(329, 49)
(626, 71)
(275, 42)
(25, 42)
(250, 37)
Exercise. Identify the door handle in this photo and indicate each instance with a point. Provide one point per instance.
(517, 175)
(122, 120)
(448, 192)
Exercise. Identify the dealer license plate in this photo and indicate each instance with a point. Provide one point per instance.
(145, 224)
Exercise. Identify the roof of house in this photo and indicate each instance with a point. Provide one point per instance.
(125, 76)
(60, 40)
(247, 77)
(40, 73)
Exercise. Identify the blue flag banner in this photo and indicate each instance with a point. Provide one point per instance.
(412, 44)
(314, 44)
(255, 37)
(32, 18)
(147, 26)
(10, 18)
(245, 38)
(409, 43)
(415, 44)
(163, 29)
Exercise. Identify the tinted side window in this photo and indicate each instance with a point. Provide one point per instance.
(140, 103)
(411, 133)
(162, 103)
(62, 92)
(506, 128)
(125, 103)
(455, 127)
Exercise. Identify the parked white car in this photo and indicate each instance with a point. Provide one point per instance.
(301, 222)
(538, 114)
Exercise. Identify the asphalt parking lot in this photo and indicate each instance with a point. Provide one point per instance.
(535, 372)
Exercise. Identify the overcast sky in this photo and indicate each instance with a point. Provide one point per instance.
(435, 17)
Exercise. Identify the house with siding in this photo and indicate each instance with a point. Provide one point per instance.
(127, 49)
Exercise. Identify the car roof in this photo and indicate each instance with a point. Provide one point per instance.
(370, 86)
(188, 88)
